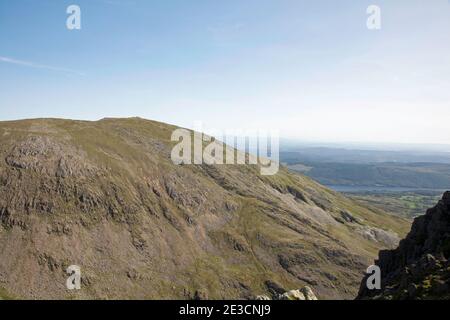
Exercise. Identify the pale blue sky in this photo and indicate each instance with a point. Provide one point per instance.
(309, 68)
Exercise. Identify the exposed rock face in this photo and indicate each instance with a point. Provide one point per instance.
(419, 268)
(106, 196)
(389, 239)
(305, 293)
(308, 293)
(292, 295)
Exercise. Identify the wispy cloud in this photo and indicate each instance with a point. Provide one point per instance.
(121, 2)
(39, 66)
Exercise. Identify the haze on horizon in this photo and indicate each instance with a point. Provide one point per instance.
(311, 69)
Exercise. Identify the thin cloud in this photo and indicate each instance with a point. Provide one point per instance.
(118, 2)
(39, 66)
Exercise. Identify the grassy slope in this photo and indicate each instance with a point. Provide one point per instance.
(4, 295)
(144, 228)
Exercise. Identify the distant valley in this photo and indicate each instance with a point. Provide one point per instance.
(401, 182)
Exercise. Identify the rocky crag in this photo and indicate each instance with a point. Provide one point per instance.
(419, 268)
(304, 293)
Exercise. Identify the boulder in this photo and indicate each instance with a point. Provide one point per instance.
(292, 295)
(308, 293)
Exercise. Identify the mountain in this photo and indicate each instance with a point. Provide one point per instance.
(419, 268)
(105, 196)
(366, 154)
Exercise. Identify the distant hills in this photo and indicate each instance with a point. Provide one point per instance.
(363, 153)
(404, 183)
(106, 196)
(405, 175)
(344, 167)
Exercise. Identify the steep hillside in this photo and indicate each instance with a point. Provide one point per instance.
(105, 196)
(419, 268)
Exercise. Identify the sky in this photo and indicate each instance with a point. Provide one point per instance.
(310, 69)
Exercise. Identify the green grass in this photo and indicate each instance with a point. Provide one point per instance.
(4, 295)
(408, 205)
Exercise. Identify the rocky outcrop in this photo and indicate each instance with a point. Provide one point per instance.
(304, 293)
(387, 238)
(419, 268)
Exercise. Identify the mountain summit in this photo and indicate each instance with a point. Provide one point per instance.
(105, 196)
